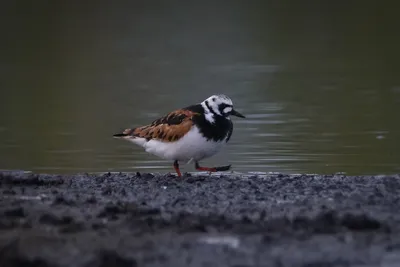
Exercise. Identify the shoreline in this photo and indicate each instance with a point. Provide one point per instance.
(142, 219)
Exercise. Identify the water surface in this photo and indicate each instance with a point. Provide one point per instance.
(318, 82)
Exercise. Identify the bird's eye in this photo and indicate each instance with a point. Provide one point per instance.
(213, 99)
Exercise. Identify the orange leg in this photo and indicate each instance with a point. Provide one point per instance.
(176, 166)
(213, 169)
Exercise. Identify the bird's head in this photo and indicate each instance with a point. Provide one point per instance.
(220, 105)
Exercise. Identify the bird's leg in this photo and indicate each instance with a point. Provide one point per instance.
(213, 169)
(176, 167)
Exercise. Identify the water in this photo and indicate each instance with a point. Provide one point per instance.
(318, 82)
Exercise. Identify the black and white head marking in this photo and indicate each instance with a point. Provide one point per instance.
(217, 105)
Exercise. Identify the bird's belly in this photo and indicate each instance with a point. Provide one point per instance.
(191, 146)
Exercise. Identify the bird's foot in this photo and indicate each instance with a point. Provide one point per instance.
(212, 169)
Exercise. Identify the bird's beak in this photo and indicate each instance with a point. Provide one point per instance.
(237, 114)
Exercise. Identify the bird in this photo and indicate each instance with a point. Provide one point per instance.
(188, 134)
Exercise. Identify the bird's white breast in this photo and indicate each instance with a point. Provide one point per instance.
(192, 146)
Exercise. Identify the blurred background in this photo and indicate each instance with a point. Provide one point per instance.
(318, 80)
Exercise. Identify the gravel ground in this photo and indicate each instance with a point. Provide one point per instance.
(133, 219)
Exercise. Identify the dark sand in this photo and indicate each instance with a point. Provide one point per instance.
(144, 220)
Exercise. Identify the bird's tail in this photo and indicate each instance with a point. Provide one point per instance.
(125, 134)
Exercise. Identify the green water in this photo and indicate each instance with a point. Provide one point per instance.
(318, 80)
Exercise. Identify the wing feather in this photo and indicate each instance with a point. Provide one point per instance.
(169, 128)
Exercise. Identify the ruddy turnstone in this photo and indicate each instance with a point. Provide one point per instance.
(188, 134)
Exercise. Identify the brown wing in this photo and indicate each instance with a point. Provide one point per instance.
(169, 128)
